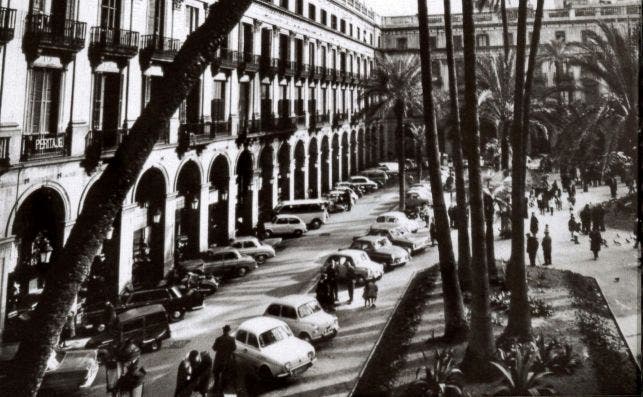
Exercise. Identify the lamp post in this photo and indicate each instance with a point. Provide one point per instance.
(45, 251)
(156, 218)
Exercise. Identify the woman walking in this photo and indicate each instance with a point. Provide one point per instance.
(370, 294)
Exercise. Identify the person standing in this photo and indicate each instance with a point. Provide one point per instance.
(350, 283)
(370, 293)
(204, 373)
(533, 224)
(532, 248)
(223, 347)
(432, 233)
(332, 273)
(600, 217)
(613, 186)
(348, 199)
(586, 218)
(183, 377)
(546, 244)
(131, 382)
(595, 240)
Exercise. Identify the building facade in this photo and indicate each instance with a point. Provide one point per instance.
(271, 119)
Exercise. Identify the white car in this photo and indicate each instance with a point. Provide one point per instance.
(341, 189)
(363, 181)
(364, 268)
(285, 225)
(390, 167)
(268, 347)
(396, 218)
(251, 246)
(304, 316)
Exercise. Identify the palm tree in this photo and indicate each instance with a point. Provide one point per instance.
(102, 205)
(464, 250)
(395, 87)
(455, 323)
(610, 58)
(519, 321)
(556, 53)
(480, 348)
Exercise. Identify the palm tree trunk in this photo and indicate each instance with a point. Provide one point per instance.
(401, 153)
(418, 158)
(489, 239)
(504, 146)
(107, 196)
(481, 347)
(455, 323)
(519, 320)
(505, 30)
(464, 250)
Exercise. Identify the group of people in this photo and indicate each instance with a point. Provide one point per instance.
(327, 290)
(532, 242)
(198, 373)
(592, 223)
(123, 360)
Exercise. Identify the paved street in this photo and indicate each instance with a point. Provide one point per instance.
(293, 270)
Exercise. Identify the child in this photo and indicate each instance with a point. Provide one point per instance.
(370, 294)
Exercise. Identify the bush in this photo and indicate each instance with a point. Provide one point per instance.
(439, 378)
(519, 377)
(539, 308)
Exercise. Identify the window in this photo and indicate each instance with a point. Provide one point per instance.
(293, 221)
(324, 17)
(155, 17)
(273, 336)
(333, 22)
(282, 221)
(43, 106)
(350, 29)
(309, 308)
(273, 310)
(433, 42)
(370, 38)
(241, 336)
(107, 101)
(218, 101)
(482, 40)
(110, 14)
(312, 12)
(401, 43)
(342, 26)
(560, 35)
(252, 340)
(229, 256)
(191, 18)
(283, 3)
(299, 7)
(288, 312)
(457, 43)
(358, 33)
(510, 39)
(311, 54)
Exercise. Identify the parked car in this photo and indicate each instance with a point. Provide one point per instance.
(401, 237)
(375, 174)
(146, 326)
(313, 212)
(222, 262)
(391, 167)
(359, 191)
(380, 250)
(285, 225)
(251, 246)
(396, 218)
(268, 347)
(364, 182)
(341, 189)
(68, 371)
(304, 316)
(171, 298)
(364, 268)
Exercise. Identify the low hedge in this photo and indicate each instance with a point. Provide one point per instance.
(387, 357)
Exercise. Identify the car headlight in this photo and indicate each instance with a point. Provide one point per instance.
(288, 365)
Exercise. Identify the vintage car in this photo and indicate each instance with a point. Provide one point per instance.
(363, 182)
(304, 316)
(222, 262)
(285, 225)
(251, 246)
(395, 219)
(171, 298)
(69, 370)
(358, 190)
(391, 167)
(377, 175)
(268, 347)
(380, 250)
(343, 188)
(364, 268)
(401, 237)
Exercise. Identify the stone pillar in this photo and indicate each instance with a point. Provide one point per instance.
(168, 231)
(8, 257)
(331, 154)
(126, 247)
(275, 184)
(305, 170)
(204, 206)
(234, 96)
(255, 187)
(232, 207)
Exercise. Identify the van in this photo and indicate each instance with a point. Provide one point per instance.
(314, 212)
(146, 326)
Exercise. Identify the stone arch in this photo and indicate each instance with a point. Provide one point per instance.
(185, 162)
(219, 209)
(160, 168)
(46, 184)
(244, 172)
(325, 163)
(300, 170)
(313, 168)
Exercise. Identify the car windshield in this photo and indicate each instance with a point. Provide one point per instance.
(309, 308)
(273, 336)
(55, 359)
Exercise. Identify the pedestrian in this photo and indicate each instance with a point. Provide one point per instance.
(350, 282)
(586, 215)
(131, 382)
(69, 329)
(600, 216)
(348, 199)
(451, 212)
(595, 240)
(194, 358)
(432, 233)
(559, 203)
(204, 373)
(333, 274)
(532, 248)
(223, 348)
(571, 225)
(546, 244)
(613, 186)
(109, 315)
(183, 377)
(370, 293)
(533, 224)
(427, 216)
(323, 292)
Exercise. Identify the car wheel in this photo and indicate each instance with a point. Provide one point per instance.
(298, 233)
(316, 224)
(264, 373)
(242, 272)
(267, 233)
(260, 259)
(360, 280)
(177, 314)
(305, 337)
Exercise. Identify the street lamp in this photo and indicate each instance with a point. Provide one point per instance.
(195, 203)
(156, 218)
(224, 195)
(45, 251)
(109, 233)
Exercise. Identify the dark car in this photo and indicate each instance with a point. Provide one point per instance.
(171, 298)
(401, 237)
(380, 249)
(221, 262)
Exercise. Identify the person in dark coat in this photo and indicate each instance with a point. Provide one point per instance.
(586, 219)
(600, 217)
(323, 292)
(348, 199)
(532, 248)
(351, 277)
(595, 240)
(109, 315)
(332, 273)
(132, 379)
(571, 226)
(183, 378)
(204, 373)
(452, 215)
(546, 244)
(613, 186)
(533, 224)
(223, 347)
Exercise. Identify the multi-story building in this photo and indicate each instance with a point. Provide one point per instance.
(271, 119)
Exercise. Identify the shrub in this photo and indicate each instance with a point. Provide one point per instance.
(539, 308)
(519, 378)
(441, 378)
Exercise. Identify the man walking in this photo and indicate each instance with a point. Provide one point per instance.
(350, 283)
(348, 199)
(585, 219)
(546, 244)
(332, 273)
(533, 224)
(223, 348)
(595, 240)
(532, 248)
(571, 225)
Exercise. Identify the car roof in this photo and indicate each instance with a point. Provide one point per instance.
(244, 238)
(222, 249)
(348, 252)
(369, 238)
(293, 300)
(258, 325)
(140, 311)
(303, 201)
(287, 216)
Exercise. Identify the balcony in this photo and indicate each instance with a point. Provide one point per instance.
(221, 128)
(119, 44)
(226, 59)
(158, 48)
(285, 124)
(339, 118)
(323, 119)
(268, 66)
(43, 33)
(328, 74)
(7, 24)
(342, 77)
(194, 134)
(253, 125)
(318, 73)
(105, 139)
(301, 71)
(249, 62)
(286, 68)
(39, 146)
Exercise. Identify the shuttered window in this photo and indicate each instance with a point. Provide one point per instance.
(44, 91)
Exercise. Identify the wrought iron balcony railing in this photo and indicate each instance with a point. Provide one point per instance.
(45, 32)
(113, 42)
(7, 24)
(159, 48)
